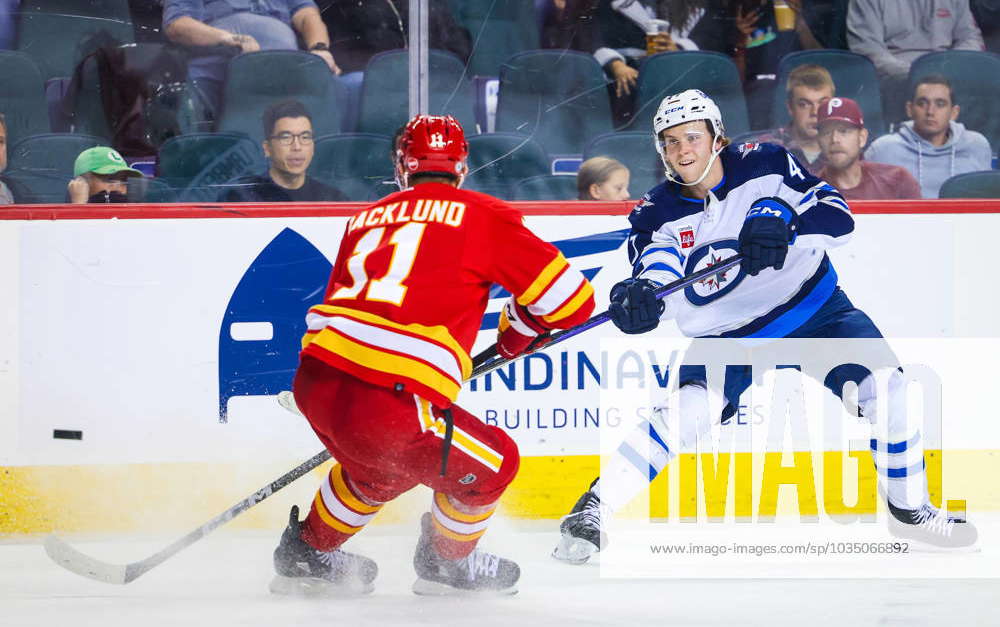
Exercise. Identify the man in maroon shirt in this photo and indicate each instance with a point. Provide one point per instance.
(842, 137)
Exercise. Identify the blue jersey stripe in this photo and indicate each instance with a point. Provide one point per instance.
(782, 320)
(663, 268)
(652, 249)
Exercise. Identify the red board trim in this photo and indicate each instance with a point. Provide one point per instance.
(316, 210)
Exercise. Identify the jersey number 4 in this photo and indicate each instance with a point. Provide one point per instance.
(388, 288)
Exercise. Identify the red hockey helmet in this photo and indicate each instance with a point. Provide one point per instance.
(432, 144)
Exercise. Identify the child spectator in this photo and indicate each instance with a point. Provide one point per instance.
(602, 178)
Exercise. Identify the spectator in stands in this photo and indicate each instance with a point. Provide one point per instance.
(749, 31)
(932, 145)
(807, 87)
(241, 26)
(100, 176)
(842, 137)
(289, 149)
(359, 30)
(893, 34)
(6, 197)
(602, 178)
(987, 14)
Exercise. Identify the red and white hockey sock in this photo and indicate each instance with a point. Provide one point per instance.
(457, 526)
(338, 512)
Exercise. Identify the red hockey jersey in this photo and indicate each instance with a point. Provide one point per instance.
(412, 280)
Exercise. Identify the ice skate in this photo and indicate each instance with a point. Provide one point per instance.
(928, 525)
(479, 573)
(304, 571)
(581, 531)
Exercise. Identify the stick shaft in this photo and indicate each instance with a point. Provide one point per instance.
(138, 568)
(489, 360)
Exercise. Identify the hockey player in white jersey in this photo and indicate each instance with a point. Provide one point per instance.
(759, 201)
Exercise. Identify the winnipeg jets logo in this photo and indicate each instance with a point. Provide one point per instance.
(645, 202)
(746, 148)
(716, 285)
(714, 281)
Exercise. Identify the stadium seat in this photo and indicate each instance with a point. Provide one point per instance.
(148, 190)
(354, 163)
(22, 97)
(499, 30)
(58, 34)
(984, 184)
(497, 161)
(42, 165)
(197, 166)
(546, 187)
(635, 150)
(260, 79)
(973, 76)
(385, 92)
(853, 75)
(668, 73)
(558, 97)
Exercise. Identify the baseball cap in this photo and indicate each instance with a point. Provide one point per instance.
(842, 110)
(102, 160)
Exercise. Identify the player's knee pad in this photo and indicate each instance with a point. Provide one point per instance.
(487, 489)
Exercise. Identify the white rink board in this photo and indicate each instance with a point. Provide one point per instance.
(112, 328)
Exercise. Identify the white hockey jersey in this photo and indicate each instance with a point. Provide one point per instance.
(673, 235)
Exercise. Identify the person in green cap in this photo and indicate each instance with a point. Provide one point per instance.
(101, 176)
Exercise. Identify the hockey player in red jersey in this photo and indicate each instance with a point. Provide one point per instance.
(386, 353)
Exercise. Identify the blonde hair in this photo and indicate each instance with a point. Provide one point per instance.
(596, 170)
(811, 76)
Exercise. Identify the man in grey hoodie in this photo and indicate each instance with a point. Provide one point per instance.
(892, 33)
(932, 145)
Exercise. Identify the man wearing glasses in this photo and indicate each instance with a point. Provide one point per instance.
(289, 148)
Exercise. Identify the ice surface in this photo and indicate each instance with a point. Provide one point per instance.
(222, 580)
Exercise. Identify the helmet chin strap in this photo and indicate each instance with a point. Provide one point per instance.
(403, 179)
(670, 176)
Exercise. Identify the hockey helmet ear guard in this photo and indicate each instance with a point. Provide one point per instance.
(432, 144)
(688, 106)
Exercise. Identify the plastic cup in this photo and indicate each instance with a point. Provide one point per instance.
(784, 16)
(654, 34)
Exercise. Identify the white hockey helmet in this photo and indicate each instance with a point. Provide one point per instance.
(687, 106)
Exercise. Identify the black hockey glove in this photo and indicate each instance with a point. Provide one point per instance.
(769, 228)
(634, 306)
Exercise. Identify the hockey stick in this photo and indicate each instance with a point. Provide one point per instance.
(73, 560)
(86, 566)
(489, 360)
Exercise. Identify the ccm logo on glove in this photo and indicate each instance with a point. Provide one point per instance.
(770, 226)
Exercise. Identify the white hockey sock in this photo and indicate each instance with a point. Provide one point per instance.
(897, 443)
(649, 447)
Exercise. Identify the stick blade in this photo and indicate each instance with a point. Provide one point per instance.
(74, 561)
